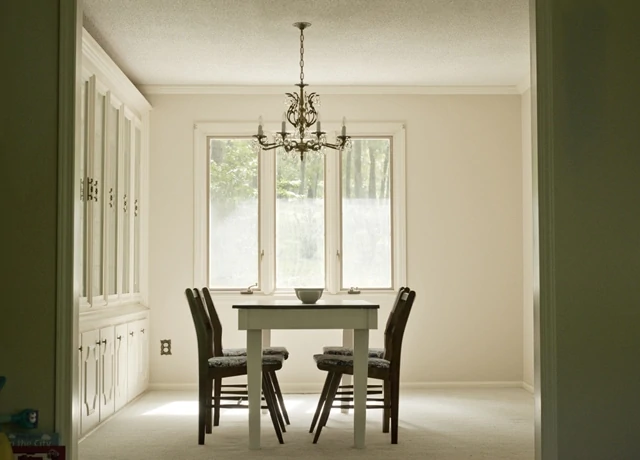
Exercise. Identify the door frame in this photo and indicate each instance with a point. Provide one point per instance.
(67, 308)
(66, 404)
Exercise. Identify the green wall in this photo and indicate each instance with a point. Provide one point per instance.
(589, 186)
(28, 198)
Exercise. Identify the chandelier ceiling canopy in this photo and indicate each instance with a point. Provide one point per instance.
(302, 114)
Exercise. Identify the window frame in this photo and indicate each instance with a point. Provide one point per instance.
(267, 204)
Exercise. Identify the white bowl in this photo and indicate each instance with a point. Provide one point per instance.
(309, 295)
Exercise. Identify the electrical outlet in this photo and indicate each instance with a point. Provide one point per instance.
(165, 347)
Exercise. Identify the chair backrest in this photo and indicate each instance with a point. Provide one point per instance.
(393, 317)
(401, 316)
(216, 324)
(202, 326)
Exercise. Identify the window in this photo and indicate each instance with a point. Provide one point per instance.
(267, 219)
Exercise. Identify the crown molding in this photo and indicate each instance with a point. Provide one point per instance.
(98, 61)
(351, 90)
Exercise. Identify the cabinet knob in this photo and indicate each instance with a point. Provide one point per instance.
(142, 330)
(119, 337)
(131, 333)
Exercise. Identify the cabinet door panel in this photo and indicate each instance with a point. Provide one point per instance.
(143, 353)
(107, 383)
(120, 367)
(132, 360)
(90, 406)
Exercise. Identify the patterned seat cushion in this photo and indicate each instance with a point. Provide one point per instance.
(347, 351)
(265, 351)
(241, 361)
(347, 361)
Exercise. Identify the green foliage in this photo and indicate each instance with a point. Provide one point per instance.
(234, 170)
(366, 169)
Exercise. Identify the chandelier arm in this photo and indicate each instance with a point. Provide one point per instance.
(311, 115)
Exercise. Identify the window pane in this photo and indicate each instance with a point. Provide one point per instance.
(299, 221)
(366, 214)
(233, 213)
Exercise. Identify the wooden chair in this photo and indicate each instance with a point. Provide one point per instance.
(221, 391)
(213, 368)
(386, 369)
(345, 390)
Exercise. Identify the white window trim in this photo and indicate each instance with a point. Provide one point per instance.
(203, 130)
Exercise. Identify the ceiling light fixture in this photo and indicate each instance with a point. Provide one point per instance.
(301, 113)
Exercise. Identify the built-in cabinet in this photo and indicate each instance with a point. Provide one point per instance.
(114, 369)
(111, 238)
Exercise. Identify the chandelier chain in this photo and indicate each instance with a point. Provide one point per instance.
(301, 56)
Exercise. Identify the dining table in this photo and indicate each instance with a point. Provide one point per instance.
(262, 314)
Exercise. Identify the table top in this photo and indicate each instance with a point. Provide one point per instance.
(260, 304)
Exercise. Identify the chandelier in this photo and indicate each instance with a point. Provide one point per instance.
(301, 113)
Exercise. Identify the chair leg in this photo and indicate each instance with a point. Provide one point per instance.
(331, 394)
(283, 426)
(270, 400)
(208, 413)
(395, 407)
(216, 401)
(386, 412)
(278, 392)
(203, 388)
(323, 397)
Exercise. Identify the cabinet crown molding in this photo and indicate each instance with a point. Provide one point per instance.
(97, 60)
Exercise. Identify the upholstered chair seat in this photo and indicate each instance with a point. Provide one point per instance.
(241, 361)
(269, 351)
(325, 362)
(348, 351)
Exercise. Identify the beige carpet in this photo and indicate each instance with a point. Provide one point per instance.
(437, 424)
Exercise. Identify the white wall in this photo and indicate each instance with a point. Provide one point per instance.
(527, 247)
(464, 226)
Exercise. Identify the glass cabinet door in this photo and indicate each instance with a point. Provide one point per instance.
(136, 211)
(96, 190)
(82, 175)
(111, 188)
(126, 206)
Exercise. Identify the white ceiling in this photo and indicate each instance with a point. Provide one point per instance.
(350, 42)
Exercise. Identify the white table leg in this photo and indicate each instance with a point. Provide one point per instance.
(347, 341)
(360, 374)
(254, 380)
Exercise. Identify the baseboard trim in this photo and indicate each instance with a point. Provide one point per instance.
(316, 387)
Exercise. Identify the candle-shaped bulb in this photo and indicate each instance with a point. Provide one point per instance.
(344, 126)
(284, 122)
(318, 124)
(260, 133)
